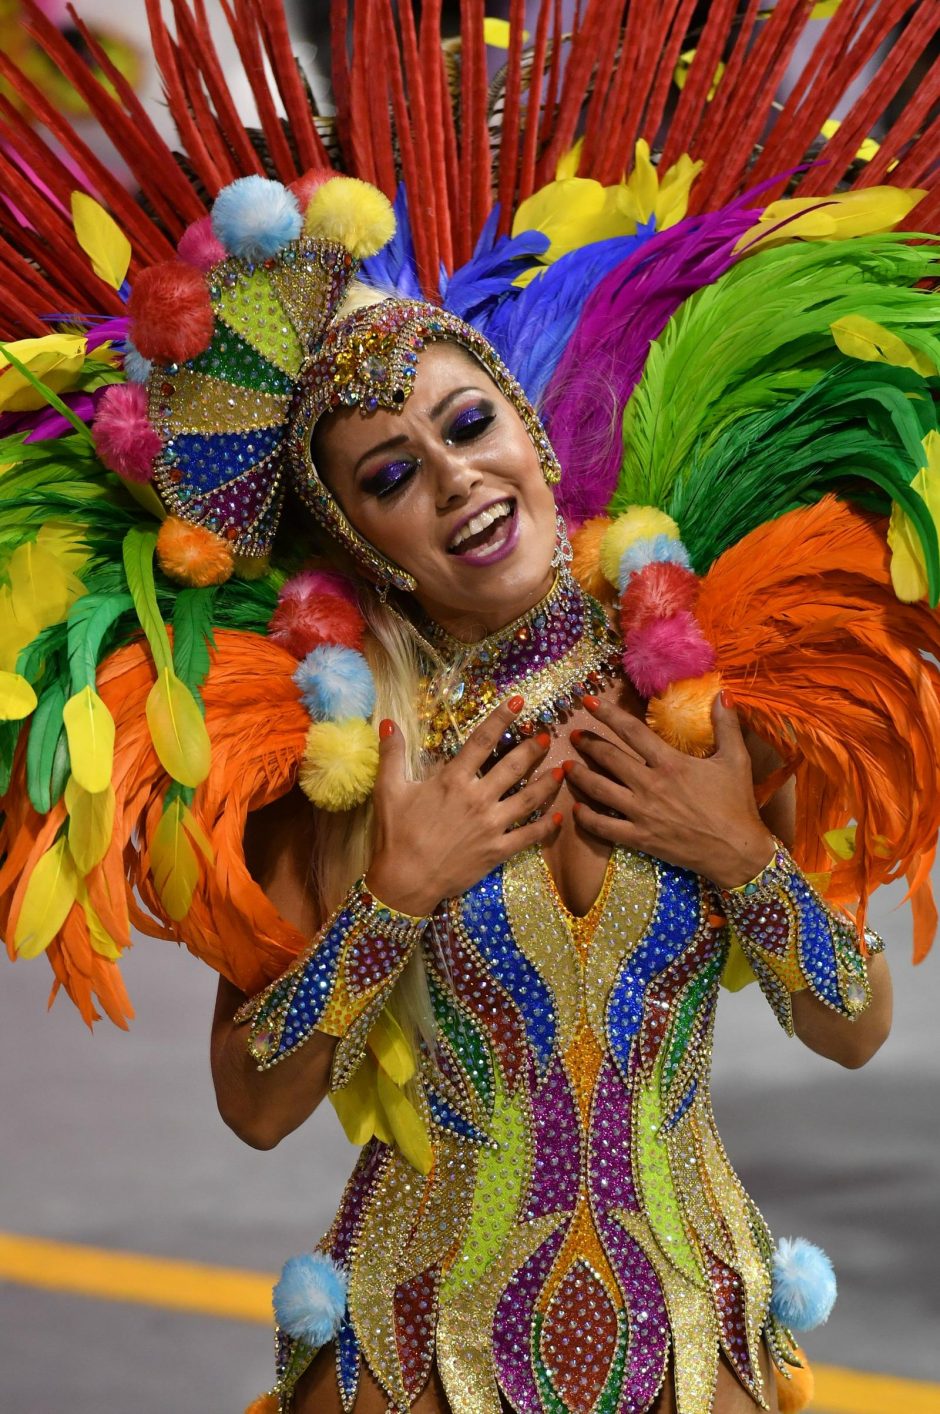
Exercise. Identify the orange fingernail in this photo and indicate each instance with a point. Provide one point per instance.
(516, 703)
(591, 703)
(575, 736)
(544, 740)
(576, 807)
(727, 698)
(566, 766)
(559, 773)
(386, 728)
(557, 818)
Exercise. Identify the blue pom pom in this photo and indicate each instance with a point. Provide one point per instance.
(136, 368)
(335, 683)
(658, 549)
(310, 1298)
(255, 218)
(804, 1289)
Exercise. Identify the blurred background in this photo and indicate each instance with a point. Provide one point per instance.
(113, 1152)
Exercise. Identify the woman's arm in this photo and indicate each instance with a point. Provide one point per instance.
(849, 1043)
(263, 1107)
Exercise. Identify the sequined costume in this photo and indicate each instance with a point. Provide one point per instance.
(580, 1221)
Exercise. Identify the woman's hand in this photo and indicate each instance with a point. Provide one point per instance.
(434, 839)
(695, 812)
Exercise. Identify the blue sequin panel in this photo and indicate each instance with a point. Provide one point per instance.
(208, 461)
(670, 931)
(673, 1119)
(347, 1360)
(817, 949)
(446, 1117)
(484, 916)
(316, 983)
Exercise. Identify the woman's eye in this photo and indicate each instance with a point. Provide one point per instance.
(388, 478)
(469, 423)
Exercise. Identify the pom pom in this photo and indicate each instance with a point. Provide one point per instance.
(666, 650)
(659, 549)
(586, 558)
(171, 317)
(804, 1284)
(137, 369)
(193, 555)
(352, 212)
(340, 763)
(123, 436)
(310, 1298)
(314, 608)
(335, 683)
(255, 218)
(682, 714)
(655, 592)
(251, 567)
(636, 523)
(796, 1392)
(264, 1404)
(199, 247)
(304, 187)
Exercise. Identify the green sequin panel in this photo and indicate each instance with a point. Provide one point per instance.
(229, 357)
(659, 1195)
(251, 307)
(687, 1016)
(468, 1044)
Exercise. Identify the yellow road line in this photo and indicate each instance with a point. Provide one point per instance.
(246, 1296)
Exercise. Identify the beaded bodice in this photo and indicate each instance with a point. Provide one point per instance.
(580, 1222)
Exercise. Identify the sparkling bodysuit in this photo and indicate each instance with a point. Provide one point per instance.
(580, 1220)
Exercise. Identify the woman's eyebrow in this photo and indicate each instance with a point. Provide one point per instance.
(436, 411)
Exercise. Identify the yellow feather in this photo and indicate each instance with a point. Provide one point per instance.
(862, 338)
(17, 698)
(41, 590)
(737, 970)
(89, 727)
(101, 238)
(178, 731)
(55, 359)
(497, 32)
(357, 1107)
(50, 894)
(389, 1045)
(66, 541)
(408, 1128)
(98, 935)
(91, 821)
(836, 217)
(173, 862)
(908, 572)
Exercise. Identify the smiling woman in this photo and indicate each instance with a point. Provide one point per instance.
(528, 609)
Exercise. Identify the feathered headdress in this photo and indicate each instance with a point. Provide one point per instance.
(740, 387)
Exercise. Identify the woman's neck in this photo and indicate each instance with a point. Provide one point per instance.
(561, 647)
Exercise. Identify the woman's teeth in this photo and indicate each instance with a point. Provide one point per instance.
(476, 530)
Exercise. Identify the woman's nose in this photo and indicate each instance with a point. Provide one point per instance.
(455, 479)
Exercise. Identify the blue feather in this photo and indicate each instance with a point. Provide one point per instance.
(394, 267)
(479, 287)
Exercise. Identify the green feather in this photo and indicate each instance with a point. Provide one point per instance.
(89, 620)
(44, 748)
(192, 637)
(138, 551)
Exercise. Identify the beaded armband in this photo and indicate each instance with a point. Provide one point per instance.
(338, 986)
(793, 940)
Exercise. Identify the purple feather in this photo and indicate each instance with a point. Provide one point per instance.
(604, 358)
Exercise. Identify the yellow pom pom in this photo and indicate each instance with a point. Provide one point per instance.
(636, 523)
(340, 763)
(682, 715)
(352, 212)
(586, 561)
(251, 566)
(797, 1392)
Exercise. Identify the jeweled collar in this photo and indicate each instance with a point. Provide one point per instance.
(560, 648)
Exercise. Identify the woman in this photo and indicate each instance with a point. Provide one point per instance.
(413, 482)
(508, 833)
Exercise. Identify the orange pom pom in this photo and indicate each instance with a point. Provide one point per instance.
(192, 554)
(682, 715)
(586, 563)
(795, 1393)
(264, 1404)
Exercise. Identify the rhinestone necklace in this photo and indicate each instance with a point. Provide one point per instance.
(561, 648)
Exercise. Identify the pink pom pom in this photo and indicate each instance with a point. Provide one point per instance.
(171, 317)
(124, 438)
(303, 187)
(315, 607)
(656, 591)
(666, 650)
(198, 246)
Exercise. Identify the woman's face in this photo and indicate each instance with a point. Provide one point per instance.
(451, 490)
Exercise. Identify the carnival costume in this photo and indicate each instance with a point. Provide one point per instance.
(542, 1206)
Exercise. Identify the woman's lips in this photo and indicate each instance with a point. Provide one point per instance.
(498, 540)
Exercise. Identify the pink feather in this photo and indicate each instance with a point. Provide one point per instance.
(124, 438)
(665, 651)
